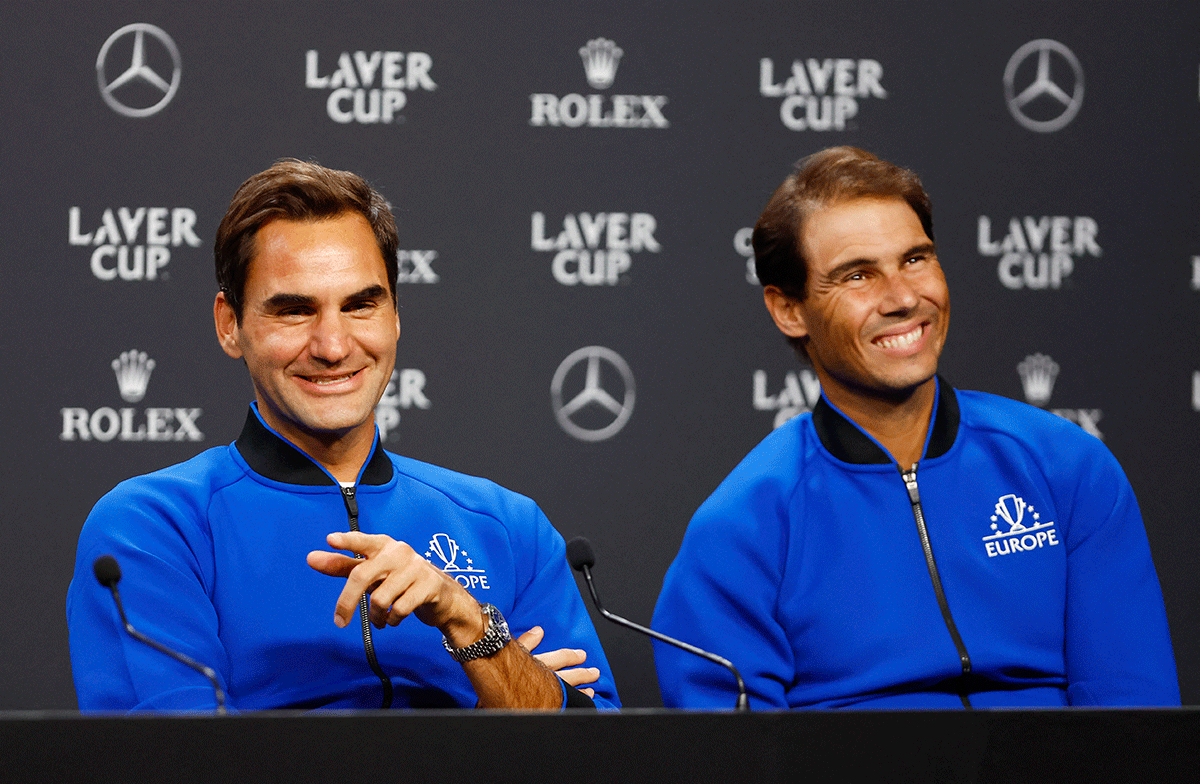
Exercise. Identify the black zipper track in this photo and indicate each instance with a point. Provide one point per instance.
(364, 610)
(914, 495)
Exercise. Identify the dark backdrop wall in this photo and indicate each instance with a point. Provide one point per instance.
(561, 211)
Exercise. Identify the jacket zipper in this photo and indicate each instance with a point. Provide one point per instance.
(364, 610)
(914, 495)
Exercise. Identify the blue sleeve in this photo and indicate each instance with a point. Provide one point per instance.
(165, 558)
(1117, 644)
(721, 595)
(550, 598)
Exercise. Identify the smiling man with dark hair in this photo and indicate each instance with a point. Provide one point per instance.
(1011, 570)
(228, 556)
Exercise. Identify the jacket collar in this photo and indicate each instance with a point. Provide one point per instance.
(275, 458)
(848, 443)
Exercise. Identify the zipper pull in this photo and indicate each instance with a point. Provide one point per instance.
(910, 482)
(351, 503)
(351, 507)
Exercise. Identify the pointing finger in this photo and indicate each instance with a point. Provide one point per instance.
(358, 542)
(332, 564)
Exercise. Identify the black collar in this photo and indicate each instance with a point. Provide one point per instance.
(275, 458)
(847, 443)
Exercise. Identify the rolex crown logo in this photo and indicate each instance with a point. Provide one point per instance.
(133, 370)
(600, 58)
(1038, 372)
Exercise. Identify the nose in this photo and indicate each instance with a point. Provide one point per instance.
(899, 294)
(331, 339)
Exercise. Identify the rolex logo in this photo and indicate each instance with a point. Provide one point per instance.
(1038, 372)
(600, 58)
(133, 370)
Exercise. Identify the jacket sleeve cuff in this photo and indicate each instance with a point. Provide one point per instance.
(574, 698)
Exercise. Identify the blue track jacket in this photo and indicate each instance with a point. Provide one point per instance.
(213, 558)
(1031, 583)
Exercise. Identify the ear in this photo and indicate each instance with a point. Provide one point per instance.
(786, 311)
(225, 321)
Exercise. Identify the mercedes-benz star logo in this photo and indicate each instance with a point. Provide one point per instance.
(593, 414)
(151, 87)
(1045, 105)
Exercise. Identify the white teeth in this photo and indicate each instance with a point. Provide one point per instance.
(901, 341)
(324, 381)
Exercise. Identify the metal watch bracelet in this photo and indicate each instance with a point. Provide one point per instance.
(493, 640)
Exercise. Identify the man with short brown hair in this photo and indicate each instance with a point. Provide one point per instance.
(1014, 573)
(227, 556)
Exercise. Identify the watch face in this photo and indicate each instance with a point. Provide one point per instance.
(498, 623)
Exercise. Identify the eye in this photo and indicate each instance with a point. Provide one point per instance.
(360, 306)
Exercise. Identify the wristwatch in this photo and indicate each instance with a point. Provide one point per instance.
(492, 641)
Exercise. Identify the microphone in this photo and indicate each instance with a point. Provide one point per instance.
(582, 559)
(108, 574)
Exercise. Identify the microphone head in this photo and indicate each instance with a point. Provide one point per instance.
(108, 571)
(579, 553)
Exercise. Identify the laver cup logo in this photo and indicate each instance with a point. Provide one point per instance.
(133, 370)
(1038, 251)
(820, 95)
(798, 393)
(132, 243)
(595, 249)
(368, 87)
(456, 562)
(138, 70)
(1018, 528)
(405, 390)
(600, 60)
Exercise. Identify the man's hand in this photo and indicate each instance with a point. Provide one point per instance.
(560, 659)
(401, 583)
